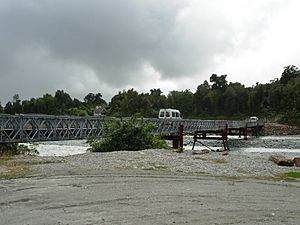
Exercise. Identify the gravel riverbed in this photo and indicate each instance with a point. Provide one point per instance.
(236, 164)
(155, 186)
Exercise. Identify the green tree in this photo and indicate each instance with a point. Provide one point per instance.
(17, 107)
(8, 109)
(218, 82)
(62, 101)
(202, 102)
(94, 100)
(157, 101)
(114, 107)
(290, 72)
(183, 101)
(29, 106)
(130, 102)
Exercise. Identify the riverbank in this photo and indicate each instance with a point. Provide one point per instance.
(247, 159)
(154, 186)
(279, 129)
(235, 165)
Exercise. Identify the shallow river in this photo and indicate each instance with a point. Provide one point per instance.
(276, 144)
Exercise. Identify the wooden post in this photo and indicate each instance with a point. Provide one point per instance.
(246, 132)
(175, 142)
(181, 136)
(195, 139)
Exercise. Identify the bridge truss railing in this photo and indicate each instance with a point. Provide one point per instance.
(33, 128)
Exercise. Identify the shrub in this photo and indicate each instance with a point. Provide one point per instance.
(129, 135)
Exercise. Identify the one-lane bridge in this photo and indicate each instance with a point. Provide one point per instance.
(36, 128)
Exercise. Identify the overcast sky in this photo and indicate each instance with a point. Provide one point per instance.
(105, 46)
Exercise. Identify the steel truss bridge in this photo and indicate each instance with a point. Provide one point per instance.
(36, 128)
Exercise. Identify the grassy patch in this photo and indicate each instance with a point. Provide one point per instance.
(289, 176)
(10, 168)
(219, 161)
(293, 174)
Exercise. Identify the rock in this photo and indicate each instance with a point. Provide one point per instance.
(297, 161)
(281, 160)
(225, 153)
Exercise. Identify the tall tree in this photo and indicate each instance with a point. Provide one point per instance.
(8, 109)
(17, 107)
(290, 72)
(63, 101)
(182, 100)
(202, 102)
(218, 82)
(94, 100)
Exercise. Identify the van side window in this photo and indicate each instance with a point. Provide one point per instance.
(177, 114)
(167, 114)
(162, 114)
(173, 114)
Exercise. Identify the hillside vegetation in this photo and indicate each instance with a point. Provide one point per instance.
(278, 101)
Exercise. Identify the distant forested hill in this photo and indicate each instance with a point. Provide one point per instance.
(278, 100)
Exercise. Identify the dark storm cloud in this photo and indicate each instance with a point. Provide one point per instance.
(51, 44)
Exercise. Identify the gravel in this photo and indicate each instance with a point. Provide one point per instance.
(236, 164)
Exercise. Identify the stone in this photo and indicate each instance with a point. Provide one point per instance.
(281, 160)
(297, 161)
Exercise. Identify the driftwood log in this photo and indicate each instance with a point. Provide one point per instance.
(281, 160)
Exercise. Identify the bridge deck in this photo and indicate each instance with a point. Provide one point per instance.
(34, 128)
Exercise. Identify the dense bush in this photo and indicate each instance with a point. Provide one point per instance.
(129, 135)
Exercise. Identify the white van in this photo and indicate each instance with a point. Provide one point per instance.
(169, 114)
(253, 119)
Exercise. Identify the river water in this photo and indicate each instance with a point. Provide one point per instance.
(270, 144)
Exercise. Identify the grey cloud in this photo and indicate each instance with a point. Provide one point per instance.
(113, 38)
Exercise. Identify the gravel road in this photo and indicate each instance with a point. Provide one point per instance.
(155, 186)
(112, 198)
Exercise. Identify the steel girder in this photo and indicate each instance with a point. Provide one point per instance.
(33, 128)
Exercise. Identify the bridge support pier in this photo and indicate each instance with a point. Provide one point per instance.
(177, 139)
(205, 135)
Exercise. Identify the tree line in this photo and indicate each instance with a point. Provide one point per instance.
(278, 100)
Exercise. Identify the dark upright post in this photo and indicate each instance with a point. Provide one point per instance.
(181, 135)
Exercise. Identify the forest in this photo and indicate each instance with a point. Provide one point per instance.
(277, 101)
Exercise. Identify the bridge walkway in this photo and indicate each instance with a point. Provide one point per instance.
(36, 128)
